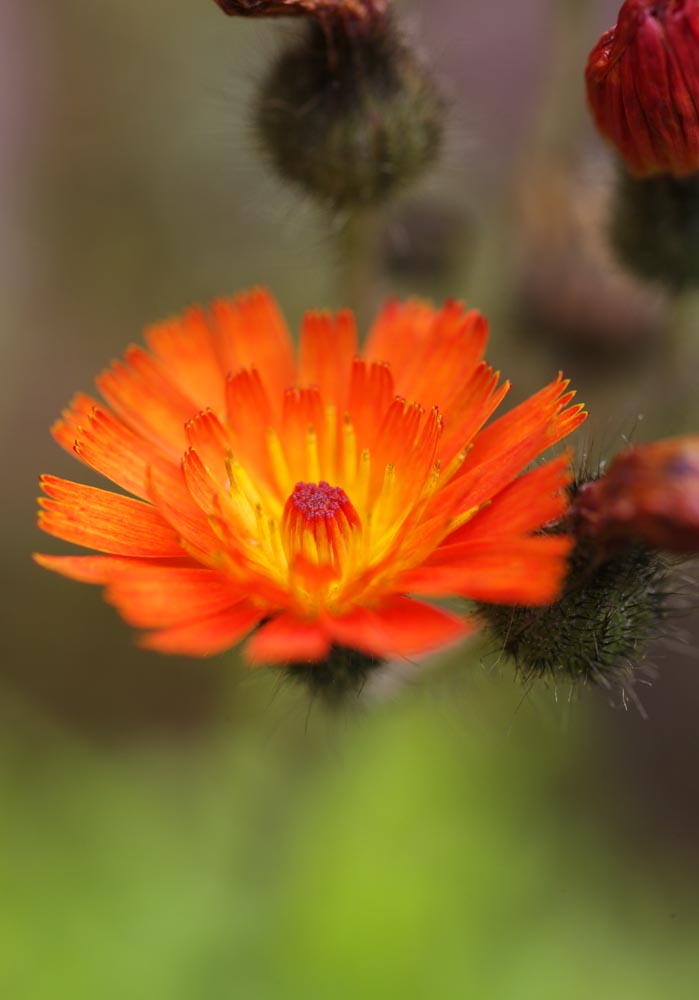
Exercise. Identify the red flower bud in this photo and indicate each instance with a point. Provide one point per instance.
(359, 10)
(643, 86)
(649, 494)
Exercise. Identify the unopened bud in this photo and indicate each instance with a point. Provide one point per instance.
(350, 116)
(357, 13)
(650, 494)
(643, 86)
(643, 90)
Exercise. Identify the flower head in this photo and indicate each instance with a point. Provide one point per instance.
(313, 501)
(643, 86)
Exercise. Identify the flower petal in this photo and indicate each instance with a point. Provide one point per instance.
(527, 571)
(530, 428)
(328, 348)
(527, 504)
(287, 639)
(205, 637)
(399, 627)
(187, 520)
(104, 521)
(186, 348)
(107, 445)
(432, 352)
(143, 395)
(102, 569)
(251, 333)
(164, 596)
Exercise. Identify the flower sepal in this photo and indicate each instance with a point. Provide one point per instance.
(341, 676)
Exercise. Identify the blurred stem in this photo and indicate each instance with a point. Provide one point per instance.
(572, 28)
(674, 386)
(682, 409)
(359, 264)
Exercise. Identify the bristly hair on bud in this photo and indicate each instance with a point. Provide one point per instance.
(348, 112)
(614, 602)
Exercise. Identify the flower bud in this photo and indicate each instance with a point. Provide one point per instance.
(643, 86)
(649, 495)
(597, 633)
(356, 12)
(614, 600)
(349, 115)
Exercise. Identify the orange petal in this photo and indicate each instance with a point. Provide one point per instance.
(371, 393)
(65, 429)
(186, 519)
(287, 639)
(186, 348)
(251, 333)
(107, 445)
(204, 488)
(328, 347)
(491, 467)
(206, 637)
(163, 596)
(400, 627)
(102, 569)
(475, 404)
(147, 400)
(527, 504)
(212, 442)
(432, 352)
(531, 427)
(250, 417)
(527, 571)
(104, 521)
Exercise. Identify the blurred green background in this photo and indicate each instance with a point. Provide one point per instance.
(174, 829)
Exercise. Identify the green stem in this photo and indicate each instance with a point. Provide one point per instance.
(359, 287)
(681, 405)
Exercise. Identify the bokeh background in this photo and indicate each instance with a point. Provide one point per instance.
(191, 830)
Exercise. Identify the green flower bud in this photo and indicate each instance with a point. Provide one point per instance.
(655, 228)
(350, 118)
(613, 604)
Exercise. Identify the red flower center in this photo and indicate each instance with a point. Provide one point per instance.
(314, 500)
(318, 525)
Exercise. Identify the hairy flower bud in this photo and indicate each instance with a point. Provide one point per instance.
(643, 86)
(350, 116)
(615, 597)
(650, 494)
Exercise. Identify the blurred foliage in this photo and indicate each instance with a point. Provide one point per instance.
(408, 853)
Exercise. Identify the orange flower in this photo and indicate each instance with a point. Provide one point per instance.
(643, 86)
(305, 496)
